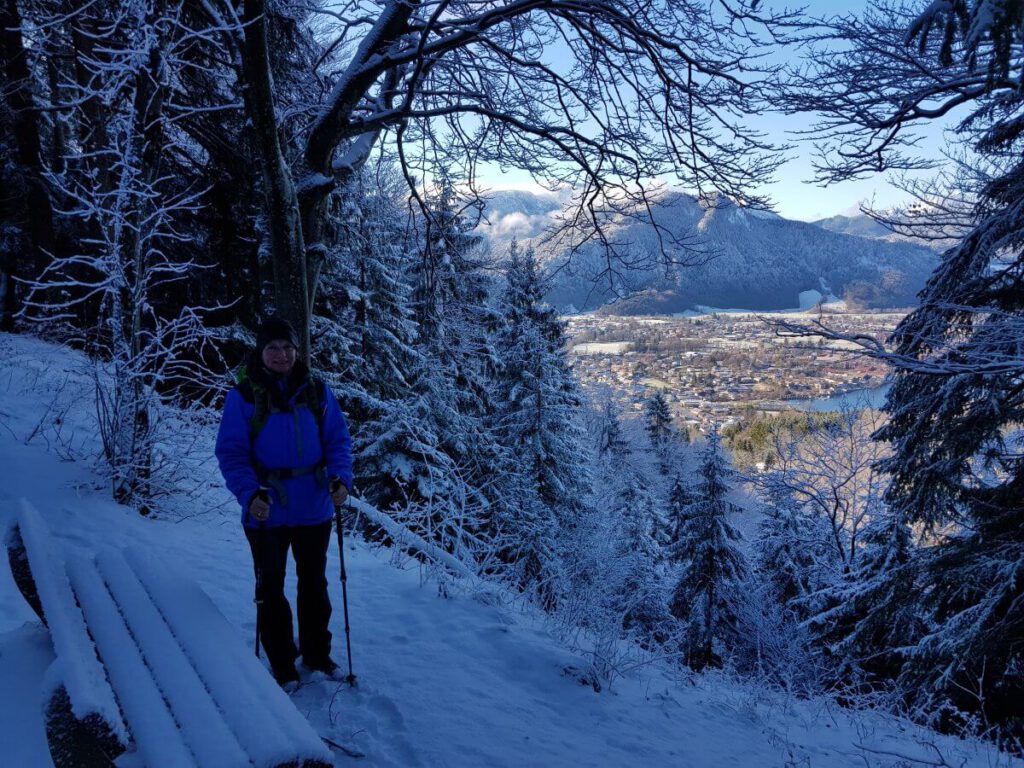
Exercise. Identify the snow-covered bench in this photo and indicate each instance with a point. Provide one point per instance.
(146, 663)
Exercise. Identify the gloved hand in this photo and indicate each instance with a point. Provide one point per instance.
(259, 506)
(339, 493)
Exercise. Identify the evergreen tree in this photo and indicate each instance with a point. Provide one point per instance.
(866, 623)
(659, 422)
(957, 396)
(365, 334)
(625, 488)
(709, 591)
(787, 558)
(611, 443)
(537, 421)
(680, 499)
(455, 484)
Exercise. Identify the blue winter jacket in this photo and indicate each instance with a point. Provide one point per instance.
(290, 439)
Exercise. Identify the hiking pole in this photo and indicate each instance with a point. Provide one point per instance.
(351, 679)
(258, 599)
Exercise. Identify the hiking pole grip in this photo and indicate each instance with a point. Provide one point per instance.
(351, 679)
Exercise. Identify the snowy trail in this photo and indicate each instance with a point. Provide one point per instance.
(441, 681)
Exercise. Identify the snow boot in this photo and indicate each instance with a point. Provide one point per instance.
(287, 678)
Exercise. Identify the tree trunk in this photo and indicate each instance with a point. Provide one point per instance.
(287, 249)
(334, 126)
(38, 208)
(147, 147)
(298, 213)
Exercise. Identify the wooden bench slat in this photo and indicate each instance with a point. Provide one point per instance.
(260, 714)
(156, 733)
(202, 724)
(143, 652)
(81, 674)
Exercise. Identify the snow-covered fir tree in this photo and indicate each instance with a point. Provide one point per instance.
(537, 419)
(658, 423)
(956, 395)
(864, 622)
(709, 589)
(365, 335)
(456, 479)
(626, 490)
(680, 499)
(788, 553)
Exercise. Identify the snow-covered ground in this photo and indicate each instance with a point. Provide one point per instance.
(603, 348)
(464, 680)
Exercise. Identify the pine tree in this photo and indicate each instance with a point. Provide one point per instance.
(365, 334)
(866, 622)
(625, 489)
(956, 400)
(787, 557)
(456, 481)
(957, 397)
(709, 590)
(659, 422)
(680, 499)
(537, 420)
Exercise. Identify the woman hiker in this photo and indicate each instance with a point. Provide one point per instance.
(285, 453)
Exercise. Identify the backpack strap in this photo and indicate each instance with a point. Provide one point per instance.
(312, 396)
(261, 399)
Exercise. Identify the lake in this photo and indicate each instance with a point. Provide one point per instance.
(856, 399)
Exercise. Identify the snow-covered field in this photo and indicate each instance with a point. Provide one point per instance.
(603, 348)
(467, 680)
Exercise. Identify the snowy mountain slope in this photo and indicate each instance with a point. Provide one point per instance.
(469, 680)
(517, 214)
(938, 236)
(756, 260)
(859, 225)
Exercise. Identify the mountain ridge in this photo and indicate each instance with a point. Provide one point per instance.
(748, 258)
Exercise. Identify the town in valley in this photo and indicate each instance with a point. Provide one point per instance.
(717, 368)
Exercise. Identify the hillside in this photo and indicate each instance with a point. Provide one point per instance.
(753, 260)
(859, 225)
(469, 680)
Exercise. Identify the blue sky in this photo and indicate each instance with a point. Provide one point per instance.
(794, 194)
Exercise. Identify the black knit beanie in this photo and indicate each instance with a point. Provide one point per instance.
(275, 328)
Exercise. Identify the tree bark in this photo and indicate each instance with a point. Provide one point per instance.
(335, 126)
(38, 207)
(287, 248)
(147, 145)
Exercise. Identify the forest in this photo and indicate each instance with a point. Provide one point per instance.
(173, 171)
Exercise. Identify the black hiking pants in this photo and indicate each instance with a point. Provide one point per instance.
(270, 551)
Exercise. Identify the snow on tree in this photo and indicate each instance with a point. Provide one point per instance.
(826, 545)
(625, 497)
(658, 420)
(790, 548)
(538, 420)
(148, 350)
(451, 85)
(365, 334)
(829, 477)
(680, 499)
(453, 474)
(870, 618)
(709, 591)
(666, 442)
(958, 358)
